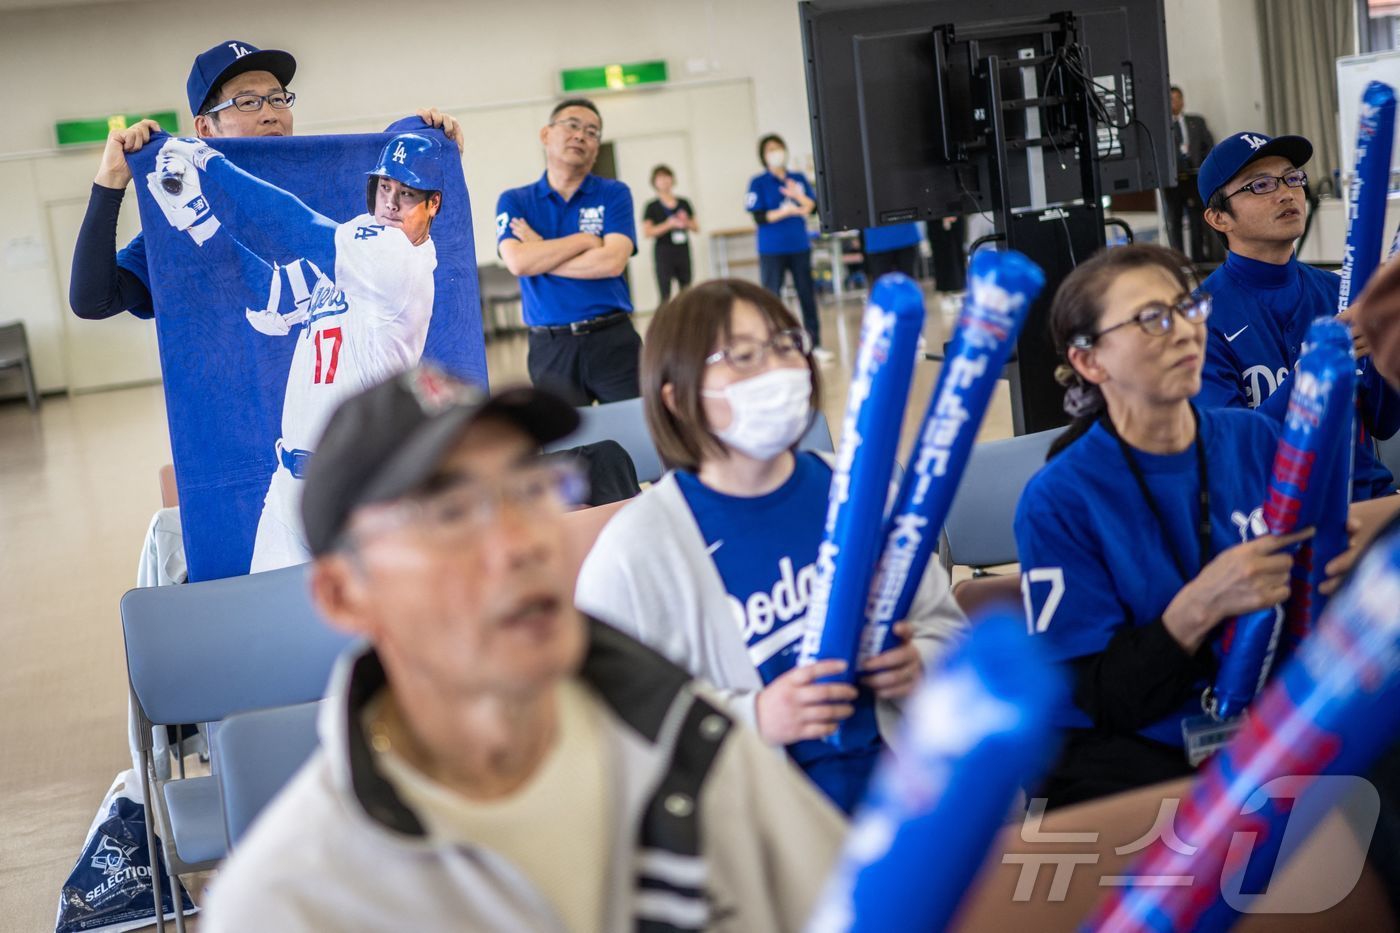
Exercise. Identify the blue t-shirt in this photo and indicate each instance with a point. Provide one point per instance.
(600, 206)
(1256, 330)
(788, 235)
(1093, 557)
(132, 258)
(768, 576)
(890, 238)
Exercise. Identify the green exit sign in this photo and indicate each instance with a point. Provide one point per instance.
(95, 130)
(613, 77)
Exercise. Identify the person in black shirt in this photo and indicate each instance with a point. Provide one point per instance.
(669, 221)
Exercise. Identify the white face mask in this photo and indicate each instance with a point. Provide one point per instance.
(769, 412)
(775, 158)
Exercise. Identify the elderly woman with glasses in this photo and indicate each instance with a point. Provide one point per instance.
(713, 565)
(1132, 536)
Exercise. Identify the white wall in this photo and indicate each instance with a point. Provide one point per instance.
(1213, 54)
(495, 62)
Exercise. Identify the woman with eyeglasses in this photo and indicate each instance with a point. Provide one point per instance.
(1130, 537)
(713, 565)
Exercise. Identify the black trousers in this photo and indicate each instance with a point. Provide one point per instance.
(905, 259)
(1184, 201)
(772, 267)
(672, 266)
(584, 368)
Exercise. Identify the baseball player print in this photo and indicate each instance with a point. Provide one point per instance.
(355, 296)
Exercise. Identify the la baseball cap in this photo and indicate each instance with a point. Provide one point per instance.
(1235, 152)
(229, 59)
(386, 442)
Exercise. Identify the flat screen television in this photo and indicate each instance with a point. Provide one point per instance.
(900, 117)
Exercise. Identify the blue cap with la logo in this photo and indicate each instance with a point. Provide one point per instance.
(229, 59)
(1235, 152)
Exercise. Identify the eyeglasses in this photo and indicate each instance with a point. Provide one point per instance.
(747, 356)
(1269, 183)
(594, 133)
(1155, 319)
(251, 103)
(464, 510)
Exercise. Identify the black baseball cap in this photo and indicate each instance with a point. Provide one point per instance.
(387, 441)
(229, 59)
(1235, 152)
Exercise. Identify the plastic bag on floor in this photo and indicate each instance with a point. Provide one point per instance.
(110, 889)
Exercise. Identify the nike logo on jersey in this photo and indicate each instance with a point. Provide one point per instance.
(369, 230)
(1230, 338)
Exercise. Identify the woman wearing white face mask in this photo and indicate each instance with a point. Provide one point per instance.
(780, 201)
(713, 565)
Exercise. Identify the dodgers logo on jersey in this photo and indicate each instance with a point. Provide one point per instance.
(325, 301)
(368, 230)
(1260, 382)
(590, 220)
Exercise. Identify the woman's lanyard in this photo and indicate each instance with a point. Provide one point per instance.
(1203, 498)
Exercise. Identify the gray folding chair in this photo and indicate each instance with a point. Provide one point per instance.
(198, 653)
(978, 531)
(1389, 452)
(818, 436)
(625, 423)
(622, 422)
(257, 754)
(14, 354)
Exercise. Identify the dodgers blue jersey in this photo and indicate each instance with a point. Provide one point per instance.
(1094, 558)
(600, 206)
(1261, 315)
(788, 235)
(890, 238)
(765, 549)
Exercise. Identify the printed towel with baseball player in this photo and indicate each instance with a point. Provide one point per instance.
(289, 274)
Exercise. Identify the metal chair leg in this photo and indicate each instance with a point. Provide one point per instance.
(177, 898)
(148, 765)
(30, 387)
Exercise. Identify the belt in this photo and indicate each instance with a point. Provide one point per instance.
(294, 460)
(601, 322)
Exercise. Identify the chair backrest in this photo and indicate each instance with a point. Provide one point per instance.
(581, 528)
(818, 436)
(1389, 452)
(978, 529)
(257, 754)
(622, 422)
(200, 651)
(14, 345)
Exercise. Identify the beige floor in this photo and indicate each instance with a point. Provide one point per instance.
(77, 489)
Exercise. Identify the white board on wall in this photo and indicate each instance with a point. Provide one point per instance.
(1354, 72)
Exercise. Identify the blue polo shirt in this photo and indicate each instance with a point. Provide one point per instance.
(890, 238)
(788, 235)
(600, 206)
